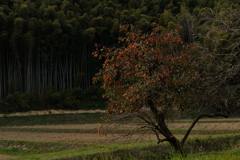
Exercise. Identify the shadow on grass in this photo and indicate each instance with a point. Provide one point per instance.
(53, 119)
(193, 146)
(21, 148)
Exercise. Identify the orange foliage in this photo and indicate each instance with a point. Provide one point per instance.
(148, 65)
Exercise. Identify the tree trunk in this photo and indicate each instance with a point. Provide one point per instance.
(164, 130)
(175, 143)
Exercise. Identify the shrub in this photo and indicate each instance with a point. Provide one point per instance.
(94, 93)
(16, 102)
(50, 99)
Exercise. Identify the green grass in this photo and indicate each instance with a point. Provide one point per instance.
(94, 151)
(208, 120)
(222, 155)
(201, 146)
(80, 118)
(204, 147)
(21, 148)
(204, 132)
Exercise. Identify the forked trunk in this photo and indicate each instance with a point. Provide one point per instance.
(164, 130)
(175, 143)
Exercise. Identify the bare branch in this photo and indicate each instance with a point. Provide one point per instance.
(197, 119)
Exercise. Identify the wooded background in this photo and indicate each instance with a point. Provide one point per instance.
(48, 43)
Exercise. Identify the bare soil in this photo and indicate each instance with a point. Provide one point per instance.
(2, 156)
(233, 124)
(94, 138)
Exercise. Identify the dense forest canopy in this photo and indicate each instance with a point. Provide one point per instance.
(48, 43)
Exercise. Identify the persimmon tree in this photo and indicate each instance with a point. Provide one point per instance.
(150, 77)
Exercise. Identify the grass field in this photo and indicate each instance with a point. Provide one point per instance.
(74, 136)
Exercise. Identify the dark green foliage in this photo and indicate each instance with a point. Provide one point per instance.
(48, 43)
(94, 93)
(72, 99)
(143, 24)
(15, 103)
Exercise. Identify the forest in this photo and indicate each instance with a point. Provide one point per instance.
(46, 59)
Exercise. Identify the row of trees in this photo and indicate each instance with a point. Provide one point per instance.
(43, 46)
(49, 42)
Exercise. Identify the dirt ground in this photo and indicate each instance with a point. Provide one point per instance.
(6, 156)
(234, 124)
(93, 137)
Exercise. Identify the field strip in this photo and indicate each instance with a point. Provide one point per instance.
(67, 137)
(52, 137)
(52, 111)
(2, 156)
(207, 126)
(77, 137)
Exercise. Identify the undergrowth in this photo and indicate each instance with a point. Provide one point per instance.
(194, 147)
(14, 147)
(206, 146)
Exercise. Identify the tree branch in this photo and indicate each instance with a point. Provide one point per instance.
(197, 119)
(159, 139)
